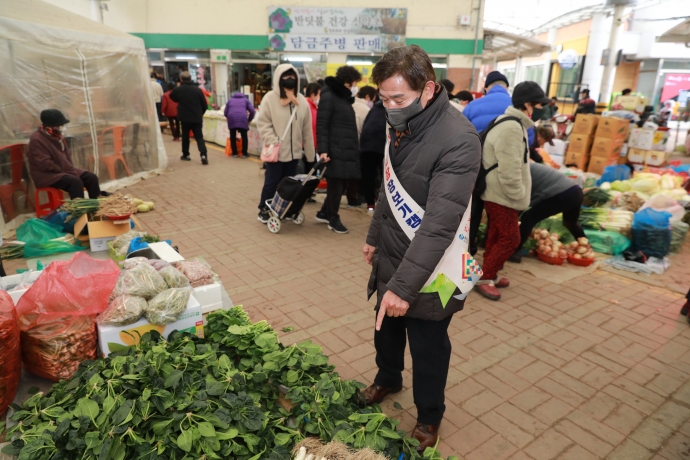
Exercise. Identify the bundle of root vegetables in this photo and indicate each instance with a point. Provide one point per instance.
(549, 244)
(581, 249)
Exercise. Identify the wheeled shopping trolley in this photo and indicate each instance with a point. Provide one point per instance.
(291, 195)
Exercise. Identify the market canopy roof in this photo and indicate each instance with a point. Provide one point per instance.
(501, 45)
(677, 34)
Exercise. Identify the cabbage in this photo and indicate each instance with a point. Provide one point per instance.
(678, 181)
(678, 193)
(645, 185)
(621, 186)
(605, 186)
(667, 182)
(644, 175)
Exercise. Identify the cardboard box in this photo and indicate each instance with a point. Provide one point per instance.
(633, 103)
(655, 158)
(598, 164)
(577, 159)
(607, 148)
(102, 231)
(580, 143)
(115, 338)
(642, 138)
(210, 297)
(585, 124)
(12, 281)
(613, 128)
(637, 156)
(660, 140)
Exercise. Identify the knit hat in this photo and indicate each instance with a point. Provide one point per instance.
(495, 76)
(529, 91)
(52, 118)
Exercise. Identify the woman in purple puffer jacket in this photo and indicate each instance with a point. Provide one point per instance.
(239, 112)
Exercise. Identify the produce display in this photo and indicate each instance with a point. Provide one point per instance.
(116, 205)
(314, 449)
(217, 397)
(122, 311)
(77, 208)
(614, 220)
(548, 244)
(167, 306)
(173, 277)
(10, 355)
(596, 197)
(142, 206)
(580, 249)
(121, 243)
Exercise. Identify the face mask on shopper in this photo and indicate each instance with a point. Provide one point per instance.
(354, 91)
(537, 114)
(290, 83)
(370, 104)
(398, 118)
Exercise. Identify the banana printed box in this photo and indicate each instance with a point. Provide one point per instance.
(116, 338)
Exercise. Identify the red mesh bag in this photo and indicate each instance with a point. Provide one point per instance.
(10, 357)
(56, 315)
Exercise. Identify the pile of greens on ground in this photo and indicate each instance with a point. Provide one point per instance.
(191, 398)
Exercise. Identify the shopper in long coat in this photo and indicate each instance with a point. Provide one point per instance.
(337, 143)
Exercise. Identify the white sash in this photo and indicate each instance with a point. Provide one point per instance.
(457, 268)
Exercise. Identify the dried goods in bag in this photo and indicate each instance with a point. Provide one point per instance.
(56, 315)
(167, 306)
(142, 280)
(10, 356)
(121, 243)
(128, 264)
(173, 277)
(122, 311)
(197, 273)
(158, 264)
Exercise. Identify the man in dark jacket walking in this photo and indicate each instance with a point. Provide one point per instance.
(337, 142)
(430, 168)
(372, 143)
(191, 106)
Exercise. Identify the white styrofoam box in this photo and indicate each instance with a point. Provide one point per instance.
(9, 282)
(641, 138)
(113, 338)
(165, 252)
(208, 295)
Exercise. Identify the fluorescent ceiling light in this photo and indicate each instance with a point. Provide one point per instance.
(298, 58)
(185, 57)
(436, 65)
(359, 63)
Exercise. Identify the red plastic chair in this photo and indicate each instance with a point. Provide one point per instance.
(55, 199)
(7, 190)
(118, 136)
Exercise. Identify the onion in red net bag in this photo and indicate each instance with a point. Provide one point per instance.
(10, 356)
(56, 315)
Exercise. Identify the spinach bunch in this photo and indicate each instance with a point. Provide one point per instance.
(213, 398)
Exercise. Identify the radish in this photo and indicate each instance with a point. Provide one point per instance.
(301, 454)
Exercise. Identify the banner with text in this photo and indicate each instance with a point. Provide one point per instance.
(353, 30)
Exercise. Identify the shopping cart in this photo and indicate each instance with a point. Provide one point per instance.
(291, 195)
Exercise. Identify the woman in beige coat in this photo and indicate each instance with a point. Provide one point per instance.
(274, 115)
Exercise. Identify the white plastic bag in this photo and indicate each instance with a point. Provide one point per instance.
(660, 202)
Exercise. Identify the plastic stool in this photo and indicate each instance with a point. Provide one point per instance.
(55, 200)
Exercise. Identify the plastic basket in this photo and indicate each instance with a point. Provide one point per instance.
(550, 260)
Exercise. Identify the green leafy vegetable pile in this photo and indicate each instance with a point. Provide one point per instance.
(213, 398)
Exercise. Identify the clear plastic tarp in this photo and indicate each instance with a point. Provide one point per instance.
(97, 76)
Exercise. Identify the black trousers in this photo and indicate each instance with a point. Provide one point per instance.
(568, 203)
(174, 127)
(75, 185)
(475, 220)
(372, 165)
(430, 348)
(275, 172)
(233, 141)
(198, 136)
(334, 192)
(159, 105)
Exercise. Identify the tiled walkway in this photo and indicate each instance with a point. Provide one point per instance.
(596, 368)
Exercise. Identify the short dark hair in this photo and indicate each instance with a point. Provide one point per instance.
(185, 76)
(626, 91)
(449, 85)
(313, 88)
(546, 132)
(367, 90)
(410, 62)
(465, 96)
(348, 74)
(153, 75)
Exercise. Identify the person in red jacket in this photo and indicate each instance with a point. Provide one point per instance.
(313, 93)
(169, 110)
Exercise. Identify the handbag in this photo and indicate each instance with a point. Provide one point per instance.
(271, 152)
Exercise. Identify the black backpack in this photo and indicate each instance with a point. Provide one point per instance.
(480, 184)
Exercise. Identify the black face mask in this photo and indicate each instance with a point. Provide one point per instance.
(289, 83)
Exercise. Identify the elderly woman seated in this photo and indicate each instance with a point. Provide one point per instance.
(50, 161)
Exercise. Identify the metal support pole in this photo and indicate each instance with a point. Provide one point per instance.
(476, 44)
(96, 11)
(610, 68)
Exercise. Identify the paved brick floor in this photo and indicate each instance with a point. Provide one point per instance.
(596, 368)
